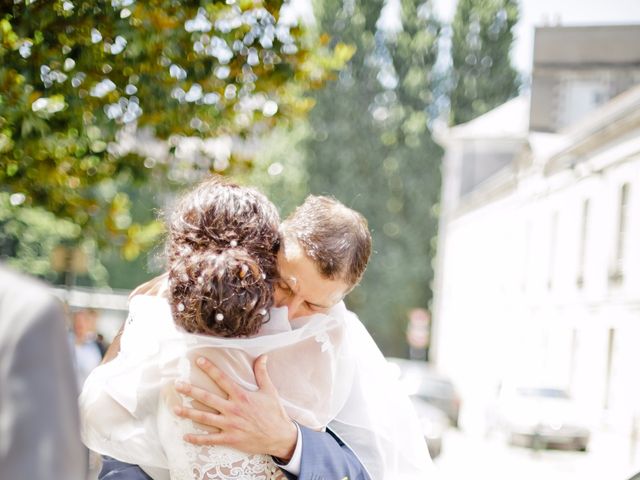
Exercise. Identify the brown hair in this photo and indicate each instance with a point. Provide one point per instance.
(334, 236)
(222, 247)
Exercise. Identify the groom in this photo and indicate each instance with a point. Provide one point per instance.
(325, 251)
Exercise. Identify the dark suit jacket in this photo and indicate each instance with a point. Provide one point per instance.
(39, 425)
(326, 457)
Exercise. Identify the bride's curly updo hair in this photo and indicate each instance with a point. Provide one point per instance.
(221, 248)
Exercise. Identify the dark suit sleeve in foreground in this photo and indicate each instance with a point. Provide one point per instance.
(326, 457)
(39, 425)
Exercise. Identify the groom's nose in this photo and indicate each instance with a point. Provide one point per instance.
(294, 306)
(293, 302)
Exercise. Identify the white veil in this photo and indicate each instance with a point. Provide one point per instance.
(327, 369)
(378, 421)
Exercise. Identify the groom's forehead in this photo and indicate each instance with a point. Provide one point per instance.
(302, 275)
(291, 247)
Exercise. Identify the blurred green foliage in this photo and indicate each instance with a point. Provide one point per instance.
(280, 169)
(76, 75)
(368, 140)
(483, 75)
(370, 146)
(107, 107)
(28, 237)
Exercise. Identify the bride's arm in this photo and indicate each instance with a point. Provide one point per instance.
(114, 348)
(154, 287)
(104, 421)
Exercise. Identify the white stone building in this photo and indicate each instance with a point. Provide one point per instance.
(538, 269)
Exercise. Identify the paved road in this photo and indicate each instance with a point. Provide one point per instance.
(466, 456)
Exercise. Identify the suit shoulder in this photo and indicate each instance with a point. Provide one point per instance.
(23, 298)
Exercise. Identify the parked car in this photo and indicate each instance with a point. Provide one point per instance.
(434, 422)
(423, 381)
(538, 417)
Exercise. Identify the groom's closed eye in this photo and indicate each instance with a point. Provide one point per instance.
(288, 291)
(284, 286)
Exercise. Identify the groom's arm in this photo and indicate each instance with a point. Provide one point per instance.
(324, 455)
(256, 422)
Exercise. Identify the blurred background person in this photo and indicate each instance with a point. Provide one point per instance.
(102, 343)
(88, 350)
(39, 426)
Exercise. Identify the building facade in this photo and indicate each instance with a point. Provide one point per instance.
(538, 269)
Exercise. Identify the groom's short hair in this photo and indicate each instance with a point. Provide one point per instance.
(334, 236)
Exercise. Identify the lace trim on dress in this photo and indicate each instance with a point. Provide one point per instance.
(195, 462)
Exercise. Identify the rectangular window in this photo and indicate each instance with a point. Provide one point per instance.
(582, 252)
(609, 368)
(553, 241)
(573, 359)
(527, 255)
(618, 260)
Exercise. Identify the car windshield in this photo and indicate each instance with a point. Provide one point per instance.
(542, 392)
(421, 382)
(435, 387)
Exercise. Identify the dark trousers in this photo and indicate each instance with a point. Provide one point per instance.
(113, 469)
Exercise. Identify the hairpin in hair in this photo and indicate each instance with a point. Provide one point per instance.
(243, 270)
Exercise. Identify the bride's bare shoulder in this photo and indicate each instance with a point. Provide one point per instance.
(156, 287)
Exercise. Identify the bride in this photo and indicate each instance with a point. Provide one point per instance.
(215, 301)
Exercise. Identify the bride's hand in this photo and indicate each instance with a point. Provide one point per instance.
(254, 422)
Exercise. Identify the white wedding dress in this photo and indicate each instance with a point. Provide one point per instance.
(127, 404)
(327, 369)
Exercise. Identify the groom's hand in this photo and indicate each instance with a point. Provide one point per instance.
(254, 422)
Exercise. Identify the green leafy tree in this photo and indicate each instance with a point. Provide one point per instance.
(30, 236)
(75, 75)
(370, 147)
(280, 169)
(483, 76)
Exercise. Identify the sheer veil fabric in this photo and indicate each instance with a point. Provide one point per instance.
(327, 369)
